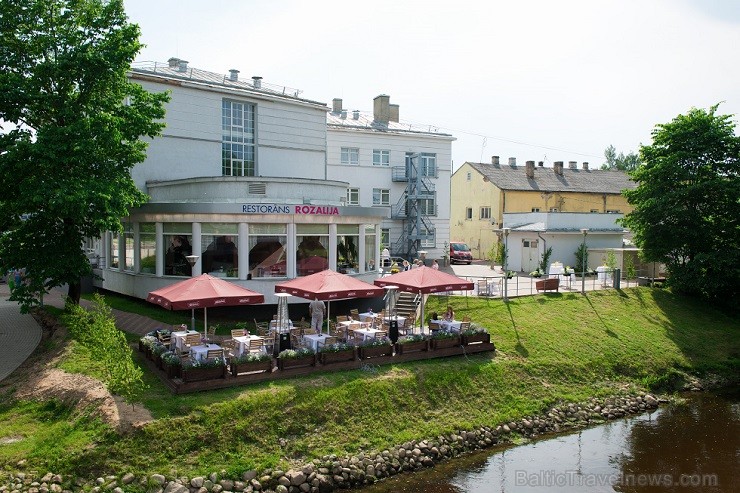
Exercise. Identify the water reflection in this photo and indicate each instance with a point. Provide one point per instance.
(683, 448)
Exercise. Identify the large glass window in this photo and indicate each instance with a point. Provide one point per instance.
(218, 244)
(371, 256)
(428, 164)
(348, 239)
(267, 255)
(381, 157)
(350, 155)
(115, 239)
(178, 239)
(381, 196)
(147, 248)
(237, 146)
(485, 213)
(427, 207)
(312, 253)
(429, 240)
(385, 237)
(128, 246)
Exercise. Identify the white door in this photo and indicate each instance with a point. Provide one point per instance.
(530, 255)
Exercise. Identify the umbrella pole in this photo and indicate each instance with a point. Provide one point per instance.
(205, 322)
(421, 328)
(328, 311)
(192, 319)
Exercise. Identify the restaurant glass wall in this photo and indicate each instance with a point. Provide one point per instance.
(312, 251)
(128, 247)
(267, 255)
(371, 255)
(115, 240)
(218, 244)
(147, 248)
(348, 239)
(178, 238)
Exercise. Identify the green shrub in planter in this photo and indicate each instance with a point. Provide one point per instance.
(444, 339)
(370, 348)
(295, 353)
(250, 358)
(412, 343)
(295, 358)
(334, 353)
(475, 333)
(171, 364)
(413, 338)
(444, 334)
(250, 362)
(335, 348)
(375, 342)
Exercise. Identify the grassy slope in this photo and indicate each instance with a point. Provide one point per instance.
(551, 348)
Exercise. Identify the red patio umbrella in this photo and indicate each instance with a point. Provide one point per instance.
(202, 292)
(424, 280)
(328, 285)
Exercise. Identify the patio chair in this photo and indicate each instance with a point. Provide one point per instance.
(192, 340)
(381, 334)
(342, 318)
(229, 347)
(326, 341)
(354, 313)
(407, 327)
(263, 328)
(464, 326)
(482, 285)
(211, 332)
(337, 332)
(466, 318)
(214, 353)
(354, 338)
(238, 333)
(185, 357)
(269, 342)
(256, 346)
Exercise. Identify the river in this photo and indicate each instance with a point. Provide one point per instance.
(685, 447)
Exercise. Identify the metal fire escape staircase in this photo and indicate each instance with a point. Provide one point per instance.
(410, 209)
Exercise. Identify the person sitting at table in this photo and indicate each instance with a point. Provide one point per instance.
(449, 315)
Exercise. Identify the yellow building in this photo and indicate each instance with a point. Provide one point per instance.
(481, 193)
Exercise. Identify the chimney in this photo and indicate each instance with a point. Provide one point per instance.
(529, 169)
(356, 114)
(558, 166)
(233, 75)
(573, 164)
(173, 62)
(541, 164)
(381, 108)
(585, 165)
(393, 112)
(495, 160)
(336, 105)
(182, 65)
(257, 82)
(512, 161)
(343, 115)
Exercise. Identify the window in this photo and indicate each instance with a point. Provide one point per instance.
(381, 157)
(348, 240)
(115, 238)
(427, 207)
(350, 155)
(267, 255)
(469, 213)
(381, 196)
(594, 211)
(178, 238)
(312, 252)
(370, 253)
(485, 213)
(613, 211)
(469, 176)
(237, 146)
(147, 248)
(428, 165)
(553, 209)
(353, 196)
(385, 237)
(128, 247)
(428, 241)
(535, 209)
(218, 244)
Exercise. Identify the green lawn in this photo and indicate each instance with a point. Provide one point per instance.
(550, 348)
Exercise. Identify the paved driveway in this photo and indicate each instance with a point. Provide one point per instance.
(19, 334)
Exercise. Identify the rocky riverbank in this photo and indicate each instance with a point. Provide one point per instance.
(330, 473)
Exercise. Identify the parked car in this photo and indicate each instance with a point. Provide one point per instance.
(460, 252)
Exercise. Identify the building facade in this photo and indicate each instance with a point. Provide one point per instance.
(401, 171)
(487, 197)
(239, 188)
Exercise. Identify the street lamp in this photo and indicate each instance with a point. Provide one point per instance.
(506, 263)
(192, 259)
(584, 232)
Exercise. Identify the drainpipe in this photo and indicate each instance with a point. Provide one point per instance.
(544, 249)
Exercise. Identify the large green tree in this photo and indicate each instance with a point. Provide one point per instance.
(619, 161)
(687, 204)
(72, 127)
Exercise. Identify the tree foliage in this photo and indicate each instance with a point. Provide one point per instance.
(96, 330)
(687, 204)
(72, 124)
(620, 162)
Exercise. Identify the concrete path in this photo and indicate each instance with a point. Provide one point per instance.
(19, 334)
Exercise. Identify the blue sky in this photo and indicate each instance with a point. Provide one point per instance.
(537, 80)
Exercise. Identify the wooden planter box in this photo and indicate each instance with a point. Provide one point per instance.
(551, 284)
(338, 357)
(445, 343)
(251, 367)
(375, 351)
(172, 371)
(157, 360)
(288, 364)
(412, 347)
(197, 374)
(475, 338)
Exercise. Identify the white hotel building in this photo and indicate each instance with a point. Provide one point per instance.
(252, 179)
